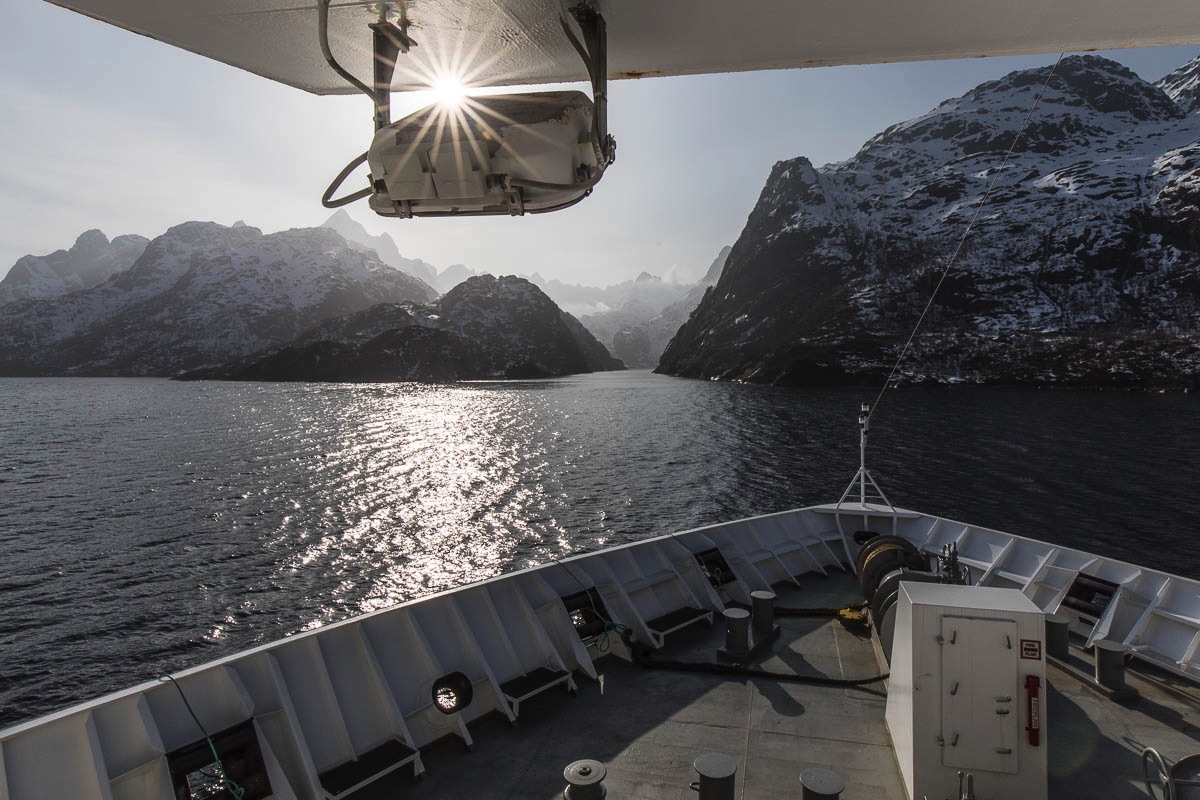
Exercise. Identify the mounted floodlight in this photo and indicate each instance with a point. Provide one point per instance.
(502, 154)
(452, 693)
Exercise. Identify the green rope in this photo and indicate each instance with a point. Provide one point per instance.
(237, 791)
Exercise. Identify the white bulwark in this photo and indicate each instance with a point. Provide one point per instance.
(966, 702)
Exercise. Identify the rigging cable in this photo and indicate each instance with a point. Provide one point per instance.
(966, 233)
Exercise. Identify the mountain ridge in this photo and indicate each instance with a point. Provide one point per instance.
(198, 293)
(1092, 228)
(484, 328)
(88, 262)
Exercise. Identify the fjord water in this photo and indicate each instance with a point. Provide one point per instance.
(148, 526)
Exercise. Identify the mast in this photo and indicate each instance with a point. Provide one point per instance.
(871, 499)
(864, 423)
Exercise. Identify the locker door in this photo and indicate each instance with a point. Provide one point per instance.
(980, 702)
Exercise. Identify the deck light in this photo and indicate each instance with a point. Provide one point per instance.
(496, 155)
(452, 693)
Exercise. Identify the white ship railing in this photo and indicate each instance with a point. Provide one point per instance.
(320, 699)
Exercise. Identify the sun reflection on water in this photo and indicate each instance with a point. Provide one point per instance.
(433, 487)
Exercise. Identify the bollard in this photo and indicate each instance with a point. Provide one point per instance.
(717, 774)
(763, 604)
(1058, 636)
(1110, 664)
(737, 630)
(817, 783)
(585, 780)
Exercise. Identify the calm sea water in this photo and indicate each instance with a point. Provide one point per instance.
(147, 525)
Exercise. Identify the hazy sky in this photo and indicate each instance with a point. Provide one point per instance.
(105, 129)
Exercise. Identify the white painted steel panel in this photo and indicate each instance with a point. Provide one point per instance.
(54, 760)
(217, 702)
(128, 735)
(979, 668)
(311, 691)
(922, 715)
(150, 780)
(3, 778)
(358, 688)
(505, 42)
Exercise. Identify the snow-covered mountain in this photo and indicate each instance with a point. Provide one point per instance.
(89, 261)
(485, 327)
(1083, 263)
(637, 317)
(198, 294)
(384, 247)
(1183, 86)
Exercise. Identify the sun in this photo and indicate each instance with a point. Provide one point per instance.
(448, 91)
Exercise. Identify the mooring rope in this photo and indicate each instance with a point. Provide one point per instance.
(230, 785)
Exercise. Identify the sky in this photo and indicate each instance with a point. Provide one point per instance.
(105, 129)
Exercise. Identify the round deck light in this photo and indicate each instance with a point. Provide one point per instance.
(452, 693)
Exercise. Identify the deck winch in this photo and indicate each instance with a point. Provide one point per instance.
(884, 562)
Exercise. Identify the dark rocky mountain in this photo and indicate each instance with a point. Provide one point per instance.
(91, 260)
(201, 293)
(1082, 269)
(645, 309)
(484, 328)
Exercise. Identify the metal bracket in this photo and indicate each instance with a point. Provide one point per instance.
(513, 199)
(389, 41)
(594, 52)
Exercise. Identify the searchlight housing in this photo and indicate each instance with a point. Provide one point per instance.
(509, 154)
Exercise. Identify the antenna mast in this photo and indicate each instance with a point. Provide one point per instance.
(868, 489)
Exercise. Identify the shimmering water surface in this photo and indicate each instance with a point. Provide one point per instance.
(148, 525)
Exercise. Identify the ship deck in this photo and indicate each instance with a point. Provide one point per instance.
(648, 725)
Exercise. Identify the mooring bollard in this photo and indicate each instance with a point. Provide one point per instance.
(737, 630)
(763, 605)
(1110, 663)
(717, 775)
(818, 783)
(585, 780)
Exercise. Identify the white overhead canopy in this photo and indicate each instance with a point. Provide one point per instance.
(501, 42)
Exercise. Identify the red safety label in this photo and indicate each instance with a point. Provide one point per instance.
(1031, 648)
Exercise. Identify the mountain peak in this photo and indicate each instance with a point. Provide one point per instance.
(717, 266)
(1183, 86)
(89, 242)
(383, 245)
(90, 261)
(1111, 88)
